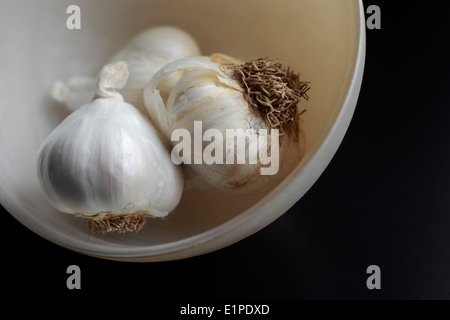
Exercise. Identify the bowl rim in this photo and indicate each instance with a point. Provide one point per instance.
(268, 209)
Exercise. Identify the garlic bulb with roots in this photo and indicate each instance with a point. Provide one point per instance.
(145, 54)
(256, 100)
(105, 162)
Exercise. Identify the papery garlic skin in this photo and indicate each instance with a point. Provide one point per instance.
(106, 158)
(207, 93)
(74, 92)
(145, 54)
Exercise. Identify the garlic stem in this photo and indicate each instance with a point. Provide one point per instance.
(182, 64)
(113, 76)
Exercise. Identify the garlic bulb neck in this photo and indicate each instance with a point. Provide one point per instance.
(272, 90)
(113, 76)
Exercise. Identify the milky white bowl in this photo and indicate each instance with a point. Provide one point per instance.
(323, 40)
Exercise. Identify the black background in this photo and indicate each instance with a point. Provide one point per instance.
(384, 200)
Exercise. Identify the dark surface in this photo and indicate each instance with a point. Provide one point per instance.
(384, 200)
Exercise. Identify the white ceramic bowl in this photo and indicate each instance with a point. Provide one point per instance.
(324, 40)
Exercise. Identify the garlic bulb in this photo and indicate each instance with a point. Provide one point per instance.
(256, 100)
(106, 162)
(145, 54)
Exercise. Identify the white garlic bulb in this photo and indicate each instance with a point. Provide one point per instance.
(107, 163)
(211, 100)
(145, 54)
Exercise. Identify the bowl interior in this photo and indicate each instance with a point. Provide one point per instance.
(319, 39)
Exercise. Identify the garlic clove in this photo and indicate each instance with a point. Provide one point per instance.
(145, 54)
(211, 92)
(105, 162)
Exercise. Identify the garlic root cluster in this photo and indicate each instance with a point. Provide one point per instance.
(114, 160)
